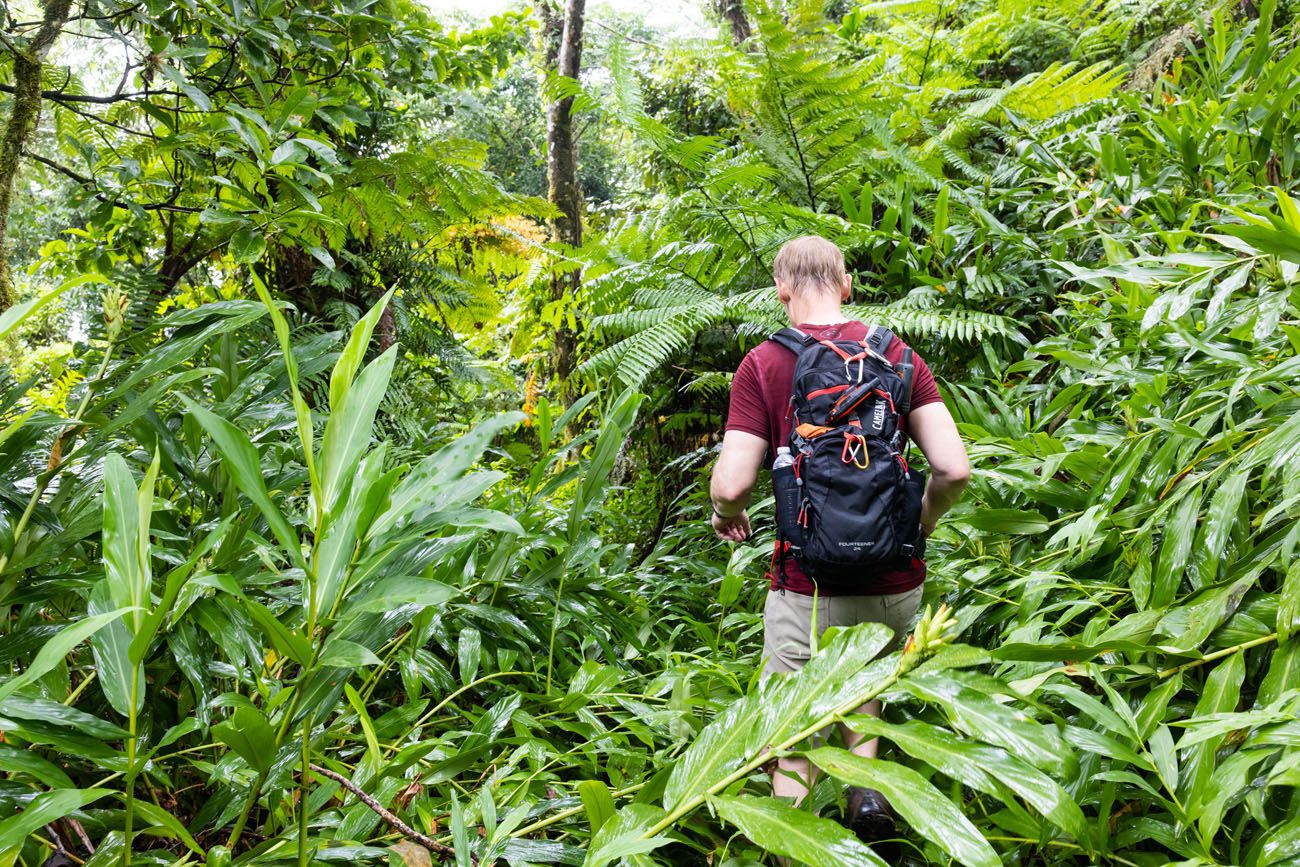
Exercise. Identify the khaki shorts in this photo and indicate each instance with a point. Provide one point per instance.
(787, 622)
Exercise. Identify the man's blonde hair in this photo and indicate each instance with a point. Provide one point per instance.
(810, 263)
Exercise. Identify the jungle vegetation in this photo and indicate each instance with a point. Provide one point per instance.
(353, 456)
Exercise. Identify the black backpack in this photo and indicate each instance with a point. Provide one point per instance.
(848, 505)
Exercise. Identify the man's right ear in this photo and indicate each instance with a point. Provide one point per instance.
(783, 292)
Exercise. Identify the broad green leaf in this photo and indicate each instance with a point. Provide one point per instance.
(1010, 521)
(19, 313)
(920, 803)
(1281, 845)
(341, 653)
(780, 708)
(173, 584)
(1220, 518)
(30, 707)
(349, 429)
(978, 766)
(1220, 695)
(118, 677)
(373, 753)
(1283, 674)
(354, 352)
(422, 484)
(247, 245)
(14, 761)
(597, 802)
(287, 642)
(249, 734)
(398, 590)
(978, 716)
(39, 812)
(1175, 549)
(626, 834)
(244, 464)
(1288, 603)
(793, 833)
(53, 651)
(337, 544)
(160, 823)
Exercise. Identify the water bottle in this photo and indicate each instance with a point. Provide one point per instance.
(786, 487)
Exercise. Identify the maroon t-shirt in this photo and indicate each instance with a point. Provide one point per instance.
(760, 405)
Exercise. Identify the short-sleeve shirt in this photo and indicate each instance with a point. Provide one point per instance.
(760, 405)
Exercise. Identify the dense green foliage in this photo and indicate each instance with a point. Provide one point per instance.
(288, 498)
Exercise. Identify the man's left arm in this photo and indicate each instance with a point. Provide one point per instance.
(733, 481)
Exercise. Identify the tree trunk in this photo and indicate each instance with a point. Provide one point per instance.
(733, 12)
(562, 174)
(23, 114)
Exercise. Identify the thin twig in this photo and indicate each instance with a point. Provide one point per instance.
(406, 830)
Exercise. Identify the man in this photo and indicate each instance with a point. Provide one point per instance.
(811, 283)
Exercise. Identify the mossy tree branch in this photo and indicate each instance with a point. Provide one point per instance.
(23, 114)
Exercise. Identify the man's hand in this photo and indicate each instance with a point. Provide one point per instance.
(733, 482)
(732, 529)
(928, 522)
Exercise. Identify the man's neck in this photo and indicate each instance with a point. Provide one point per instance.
(815, 311)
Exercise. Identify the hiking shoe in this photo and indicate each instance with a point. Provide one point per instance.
(869, 815)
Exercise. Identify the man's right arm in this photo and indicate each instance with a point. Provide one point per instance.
(936, 434)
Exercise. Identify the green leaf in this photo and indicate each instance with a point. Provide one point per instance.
(793, 833)
(425, 483)
(350, 426)
(39, 812)
(354, 352)
(597, 802)
(393, 592)
(249, 734)
(287, 642)
(244, 464)
(1221, 694)
(780, 708)
(1013, 522)
(161, 823)
(19, 313)
(247, 245)
(978, 716)
(1283, 674)
(1175, 549)
(920, 803)
(112, 650)
(979, 766)
(1288, 603)
(15, 761)
(341, 653)
(625, 835)
(53, 651)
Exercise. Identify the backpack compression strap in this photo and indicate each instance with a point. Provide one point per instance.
(793, 339)
(879, 338)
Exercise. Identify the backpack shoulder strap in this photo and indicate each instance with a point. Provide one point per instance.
(878, 338)
(792, 339)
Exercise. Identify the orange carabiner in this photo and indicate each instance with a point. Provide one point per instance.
(849, 454)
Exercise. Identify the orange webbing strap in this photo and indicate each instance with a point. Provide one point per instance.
(812, 431)
(840, 352)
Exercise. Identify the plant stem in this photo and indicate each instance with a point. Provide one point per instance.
(572, 811)
(129, 782)
(1218, 654)
(302, 794)
(240, 822)
(555, 622)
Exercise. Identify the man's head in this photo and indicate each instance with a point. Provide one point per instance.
(811, 270)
